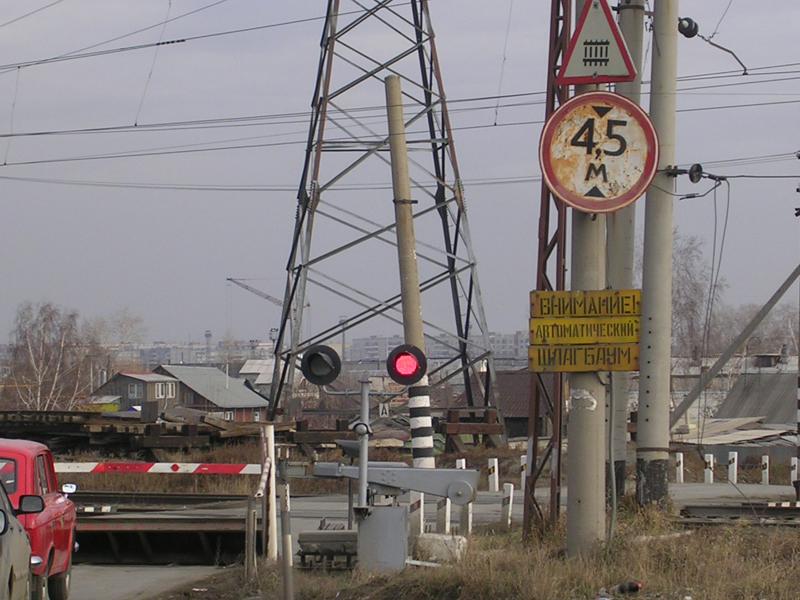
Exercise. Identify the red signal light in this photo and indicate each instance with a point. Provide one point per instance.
(406, 364)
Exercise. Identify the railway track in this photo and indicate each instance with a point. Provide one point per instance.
(785, 514)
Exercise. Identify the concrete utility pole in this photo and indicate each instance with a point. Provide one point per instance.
(586, 507)
(620, 240)
(652, 452)
(419, 402)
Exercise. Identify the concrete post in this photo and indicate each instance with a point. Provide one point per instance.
(443, 510)
(793, 472)
(523, 471)
(494, 476)
(733, 467)
(465, 516)
(508, 504)
(765, 469)
(250, 541)
(679, 467)
(586, 499)
(419, 402)
(708, 472)
(620, 226)
(286, 547)
(272, 509)
(652, 453)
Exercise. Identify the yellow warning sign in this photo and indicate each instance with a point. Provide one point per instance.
(576, 359)
(600, 303)
(585, 330)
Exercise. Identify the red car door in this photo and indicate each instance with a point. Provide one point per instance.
(51, 520)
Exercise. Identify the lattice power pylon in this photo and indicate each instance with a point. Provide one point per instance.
(547, 393)
(344, 243)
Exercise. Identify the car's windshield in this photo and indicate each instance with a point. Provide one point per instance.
(8, 474)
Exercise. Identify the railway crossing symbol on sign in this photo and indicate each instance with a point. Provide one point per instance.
(597, 52)
(598, 152)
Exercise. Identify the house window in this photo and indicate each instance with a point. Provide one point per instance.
(134, 391)
(171, 389)
(160, 390)
(229, 415)
(256, 415)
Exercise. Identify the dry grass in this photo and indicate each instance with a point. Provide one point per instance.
(716, 563)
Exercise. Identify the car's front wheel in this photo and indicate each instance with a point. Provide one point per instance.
(58, 585)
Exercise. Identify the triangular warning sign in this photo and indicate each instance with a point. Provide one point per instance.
(597, 52)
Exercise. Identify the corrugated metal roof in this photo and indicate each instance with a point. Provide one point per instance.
(771, 394)
(213, 384)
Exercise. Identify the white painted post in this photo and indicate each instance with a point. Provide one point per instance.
(765, 469)
(286, 534)
(443, 515)
(508, 504)
(733, 467)
(272, 509)
(494, 476)
(679, 467)
(523, 471)
(465, 517)
(793, 474)
(708, 474)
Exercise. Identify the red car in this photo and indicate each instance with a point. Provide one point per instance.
(26, 468)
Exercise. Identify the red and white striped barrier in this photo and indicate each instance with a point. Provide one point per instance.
(159, 467)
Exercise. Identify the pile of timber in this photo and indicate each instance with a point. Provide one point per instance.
(481, 423)
(178, 428)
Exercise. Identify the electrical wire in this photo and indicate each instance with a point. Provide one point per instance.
(33, 12)
(302, 116)
(77, 55)
(712, 296)
(152, 65)
(721, 19)
(479, 182)
(140, 30)
(504, 59)
(11, 117)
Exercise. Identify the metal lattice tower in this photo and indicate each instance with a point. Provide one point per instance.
(546, 403)
(345, 203)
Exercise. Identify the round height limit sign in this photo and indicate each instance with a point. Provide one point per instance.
(598, 152)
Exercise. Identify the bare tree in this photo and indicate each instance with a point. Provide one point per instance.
(50, 358)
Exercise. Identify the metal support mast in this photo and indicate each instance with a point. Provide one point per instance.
(545, 409)
(344, 199)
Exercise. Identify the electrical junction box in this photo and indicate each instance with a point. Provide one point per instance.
(382, 538)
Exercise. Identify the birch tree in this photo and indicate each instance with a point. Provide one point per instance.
(50, 358)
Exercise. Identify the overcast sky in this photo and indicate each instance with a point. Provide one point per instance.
(165, 253)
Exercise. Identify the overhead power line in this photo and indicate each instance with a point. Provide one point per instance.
(283, 188)
(80, 54)
(31, 13)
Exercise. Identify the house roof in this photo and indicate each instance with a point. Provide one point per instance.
(148, 377)
(255, 366)
(770, 394)
(262, 367)
(513, 392)
(101, 400)
(216, 387)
